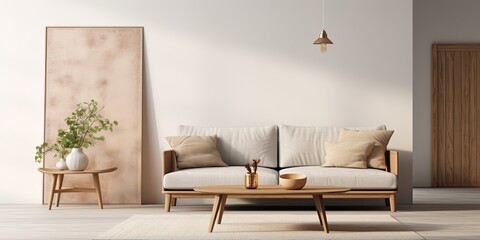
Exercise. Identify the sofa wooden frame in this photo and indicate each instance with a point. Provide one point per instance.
(169, 165)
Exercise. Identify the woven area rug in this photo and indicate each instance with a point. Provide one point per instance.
(251, 225)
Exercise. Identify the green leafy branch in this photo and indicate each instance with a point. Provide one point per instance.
(61, 150)
(85, 124)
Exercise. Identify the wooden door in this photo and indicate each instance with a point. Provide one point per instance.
(455, 115)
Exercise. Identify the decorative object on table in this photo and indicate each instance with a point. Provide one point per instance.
(323, 40)
(105, 64)
(61, 164)
(84, 126)
(251, 177)
(293, 181)
(77, 160)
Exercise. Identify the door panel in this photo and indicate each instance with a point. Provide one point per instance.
(455, 120)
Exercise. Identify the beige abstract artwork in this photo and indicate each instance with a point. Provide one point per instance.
(105, 64)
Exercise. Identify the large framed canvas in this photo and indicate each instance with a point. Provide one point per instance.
(104, 64)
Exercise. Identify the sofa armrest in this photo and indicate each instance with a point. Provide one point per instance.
(392, 161)
(169, 162)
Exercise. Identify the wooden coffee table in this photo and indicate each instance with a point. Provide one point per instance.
(221, 193)
(59, 174)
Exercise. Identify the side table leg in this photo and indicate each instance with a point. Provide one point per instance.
(60, 183)
(318, 200)
(216, 206)
(52, 190)
(96, 181)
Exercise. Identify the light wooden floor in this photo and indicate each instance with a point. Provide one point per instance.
(436, 214)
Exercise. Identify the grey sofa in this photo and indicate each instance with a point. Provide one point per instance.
(283, 149)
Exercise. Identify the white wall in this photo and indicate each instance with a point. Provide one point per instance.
(221, 63)
(435, 21)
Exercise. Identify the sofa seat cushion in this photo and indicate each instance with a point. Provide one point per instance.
(357, 179)
(234, 175)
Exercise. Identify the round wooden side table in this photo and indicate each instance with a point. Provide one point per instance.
(58, 175)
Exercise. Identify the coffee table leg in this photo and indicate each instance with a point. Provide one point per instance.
(52, 190)
(317, 207)
(96, 181)
(318, 200)
(60, 183)
(222, 208)
(216, 207)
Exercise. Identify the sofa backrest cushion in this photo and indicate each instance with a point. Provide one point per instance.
(305, 146)
(376, 159)
(239, 146)
(196, 151)
(347, 154)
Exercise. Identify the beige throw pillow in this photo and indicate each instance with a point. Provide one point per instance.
(196, 151)
(376, 159)
(347, 154)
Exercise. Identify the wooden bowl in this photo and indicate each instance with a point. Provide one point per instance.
(293, 181)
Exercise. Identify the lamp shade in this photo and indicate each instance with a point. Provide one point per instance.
(323, 39)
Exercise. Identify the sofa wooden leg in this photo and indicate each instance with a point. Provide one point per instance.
(393, 207)
(174, 201)
(168, 202)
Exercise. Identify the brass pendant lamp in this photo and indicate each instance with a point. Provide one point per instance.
(323, 40)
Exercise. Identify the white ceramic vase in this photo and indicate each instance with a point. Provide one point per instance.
(77, 160)
(61, 164)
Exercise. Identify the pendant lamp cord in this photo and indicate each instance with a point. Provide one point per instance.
(323, 14)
